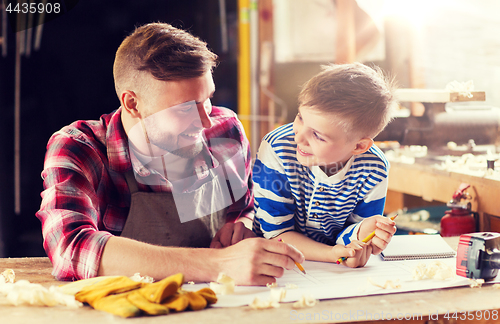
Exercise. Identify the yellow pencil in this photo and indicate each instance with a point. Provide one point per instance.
(301, 268)
(365, 240)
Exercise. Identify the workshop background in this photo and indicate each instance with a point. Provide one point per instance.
(267, 50)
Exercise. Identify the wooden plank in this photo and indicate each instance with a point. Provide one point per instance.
(438, 185)
(476, 96)
(436, 96)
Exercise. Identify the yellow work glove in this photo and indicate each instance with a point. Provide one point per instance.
(126, 298)
(157, 292)
(149, 297)
(111, 286)
(118, 304)
(195, 300)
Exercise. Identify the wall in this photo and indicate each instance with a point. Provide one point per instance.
(70, 78)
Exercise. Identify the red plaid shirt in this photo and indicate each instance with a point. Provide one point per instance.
(86, 198)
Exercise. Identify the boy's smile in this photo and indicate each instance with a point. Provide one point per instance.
(322, 142)
(302, 152)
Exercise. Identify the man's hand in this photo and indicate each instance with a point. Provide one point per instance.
(356, 252)
(229, 234)
(258, 261)
(384, 229)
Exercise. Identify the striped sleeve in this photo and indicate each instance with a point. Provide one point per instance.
(274, 203)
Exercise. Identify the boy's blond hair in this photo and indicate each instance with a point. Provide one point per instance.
(359, 98)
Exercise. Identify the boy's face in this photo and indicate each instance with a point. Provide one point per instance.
(321, 142)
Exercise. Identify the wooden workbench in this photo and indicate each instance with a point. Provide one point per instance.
(415, 306)
(431, 184)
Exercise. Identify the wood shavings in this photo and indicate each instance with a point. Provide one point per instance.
(434, 270)
(387, 284)
(8, 276)
(305, 301)
(451, 145)
(406, 154)
(471, 164)
(476, 283)
(291, 286)
(264, 304)
(146, 279)
(25, 293)
(272, 285)
(278, 294)
(224, 285)
(463, 88)
(496, 286)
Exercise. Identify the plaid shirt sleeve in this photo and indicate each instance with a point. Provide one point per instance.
(70, 206)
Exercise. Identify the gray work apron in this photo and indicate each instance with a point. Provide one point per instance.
(153, 218)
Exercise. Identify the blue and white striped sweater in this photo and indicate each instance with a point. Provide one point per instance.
(290, 196)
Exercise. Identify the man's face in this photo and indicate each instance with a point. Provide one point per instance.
(176, 112)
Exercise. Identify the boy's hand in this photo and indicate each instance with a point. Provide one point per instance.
(356, 252)
(229, 234)
(384, 229)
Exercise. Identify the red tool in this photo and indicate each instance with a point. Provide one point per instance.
(458, 220)
(478, 255)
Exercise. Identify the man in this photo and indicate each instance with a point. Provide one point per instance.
(146, 187)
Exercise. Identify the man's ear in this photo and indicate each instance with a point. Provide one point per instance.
(362, 146)
(129, 103)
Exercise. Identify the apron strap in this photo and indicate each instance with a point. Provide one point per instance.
(131, 182)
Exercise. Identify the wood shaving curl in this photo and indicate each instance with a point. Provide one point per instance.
(8, 276)
(278, 294)
(305, 301)
(476, 283)
(387, 284)
(146, 279)
(434, 270)
(224, 285)
(25, 293)
(264, 304)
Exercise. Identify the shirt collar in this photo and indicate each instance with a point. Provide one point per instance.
(117, 144)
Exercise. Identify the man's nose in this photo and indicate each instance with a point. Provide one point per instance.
(204, 111)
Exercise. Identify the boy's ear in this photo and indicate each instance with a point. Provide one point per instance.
(362, 146)
(129, 103)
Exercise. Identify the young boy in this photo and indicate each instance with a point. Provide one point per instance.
(320, 183)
